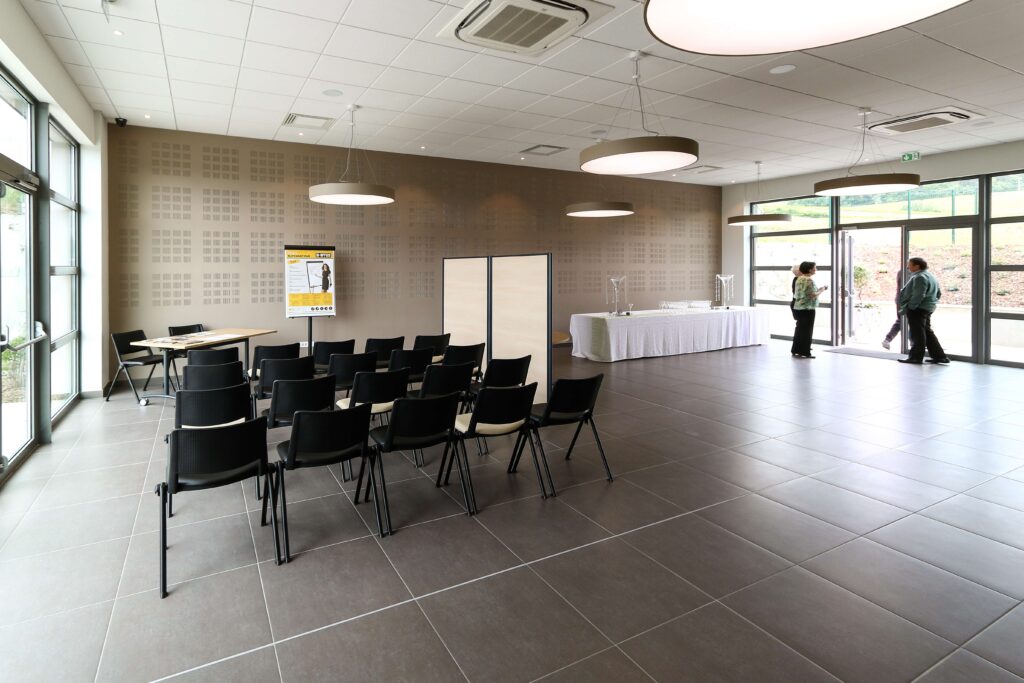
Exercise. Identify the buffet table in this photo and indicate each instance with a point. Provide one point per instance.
(607, 338)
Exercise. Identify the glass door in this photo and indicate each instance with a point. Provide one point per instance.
(869, 281)
(16, 323)
(948, 249)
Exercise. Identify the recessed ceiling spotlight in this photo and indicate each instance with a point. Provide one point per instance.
(782, 69)
(333, 92)
(145, 116)
(118, 32)
(732, 181)
(423, 146)
(673, 175)
(522, 158)
(301, 133)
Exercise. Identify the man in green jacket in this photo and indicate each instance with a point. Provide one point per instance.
(918, 299)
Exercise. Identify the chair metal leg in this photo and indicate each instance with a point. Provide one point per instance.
(284, 513)
(451, 461)
(266, 497)
(110, 389)
(272, 494)
(259, 496)
(600, 448)
(536, 468)
(466, 480)
(170, 504)
(457, 455)
(480, 446)
(572, 444)
(440, 468)
(517, 451)
(372, 482)
(384, 491)
(177, 377)
(359, 482)
(152, 369)
(161, 491)
(128, 376)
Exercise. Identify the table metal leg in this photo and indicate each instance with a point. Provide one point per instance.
(144, 399)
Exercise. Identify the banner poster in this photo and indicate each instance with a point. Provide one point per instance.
(308, 281)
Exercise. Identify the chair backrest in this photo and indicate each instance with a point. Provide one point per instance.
(123, 342)
(212, 376)
(416, 360)
(195, 408)
(235, 452)
(573, 397)
(457, 355)
(291, 395)
(380, 387)
(274, 369)
(323, 350)
(503, 405)
(344, 366)
(438, 342)
(281, 351)
(506, 372)
(439, 380)
(175, 330)
(324, 432)
(384, 347)
(421, 422)
(213, 356)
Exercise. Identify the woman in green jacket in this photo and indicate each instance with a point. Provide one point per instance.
(805, 301)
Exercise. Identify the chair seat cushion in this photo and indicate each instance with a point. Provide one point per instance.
(199, 480)
(437, 359)
(555, 418)
(148, 359)
(318, 459)
(222, 424)
(375, 409)
(486, 429)
(378, 434)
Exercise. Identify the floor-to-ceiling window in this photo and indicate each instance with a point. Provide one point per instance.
(1006, 269)
(64, 269)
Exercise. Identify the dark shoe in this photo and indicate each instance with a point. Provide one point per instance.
(909, 360)
(801, 355)
(939, 361)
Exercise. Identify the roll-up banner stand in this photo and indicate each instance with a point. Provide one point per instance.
(309, 284)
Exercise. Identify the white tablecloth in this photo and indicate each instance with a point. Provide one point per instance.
(601, 337)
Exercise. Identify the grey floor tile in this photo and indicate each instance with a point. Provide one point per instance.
(1003, 491)
(600, 581)
(742, 470)
(713, 559)
(943, 603)
(984, 442)
(619, 505)
(964, 667)
(902, 492)
(927, 470)
(847, 635)
(83, 487)
(314, 524)
(963, 456)
(580, 469)
(116, 434)
(990, 563)
(199, 622)
(624, 455)
(43, 462)
(396, 644)
(530, 614)
(328, 585)
(775, 527)
(253, 667)
(720, 434)
(685, 486)
(834, 444)
(622, 425)
(610, 665)
(445, 552)
(844, 509)
(1005, 428)
(40, 585)
(674, 444)
(981, 517)
(714, 644)
(29, 650)
(189, 506)
(84, 458)
(536, 527)
(1001, 643)
(797, 415)
(492, 484)
(416, 501)
(788, 456)
(301, 484)
(66, 527)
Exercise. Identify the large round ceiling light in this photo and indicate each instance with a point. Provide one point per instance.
(760, 219)
(599, 209)
(639, 156)
(756, 27)
(876, 183)
(353, 194)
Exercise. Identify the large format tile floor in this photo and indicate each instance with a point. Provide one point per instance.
(771, 519)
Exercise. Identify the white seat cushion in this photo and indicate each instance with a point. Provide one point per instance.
(437, 359)
(485, 428)
(375, 409)
(223, 424)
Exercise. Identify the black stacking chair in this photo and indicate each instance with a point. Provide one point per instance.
(213, 356)
(439, 380)
(438, 342)
(271, 352)
(506, 372)
(418, 423)
(383, 348)
(416, 360)
(292, 395)
(379, 389)
(456, 355)
(321, 439)
(129, 356)
(572, 402)
(499, 411)
(200, 459)
(205, 408)
(344, 367)
(274, 369)
(178, 330)
(212, 376)
(323, 350)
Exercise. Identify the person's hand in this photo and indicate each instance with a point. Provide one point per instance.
(822, 288)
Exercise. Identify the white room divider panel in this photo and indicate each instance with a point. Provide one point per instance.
(521, 314)
(464, 299)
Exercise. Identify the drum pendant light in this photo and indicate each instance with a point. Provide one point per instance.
(599, 209)
(352, 193)
(873, 183)
(759, 218)
(755, 27)
(639, 155)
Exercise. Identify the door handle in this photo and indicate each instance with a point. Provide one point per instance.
(40, 336)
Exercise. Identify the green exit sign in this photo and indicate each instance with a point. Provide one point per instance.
(911, 156)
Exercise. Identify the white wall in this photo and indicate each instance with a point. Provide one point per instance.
(95, 320)
(735, 198)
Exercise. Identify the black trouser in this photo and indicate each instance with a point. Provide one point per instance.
(804, 331)
(919, 324)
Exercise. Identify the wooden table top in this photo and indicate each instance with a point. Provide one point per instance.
(225, 335)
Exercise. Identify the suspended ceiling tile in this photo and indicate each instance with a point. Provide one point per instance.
(210, 110)
(130, 61)
(221, 17)
(542, 80)
(248, 129)
(363, 45)
(383, 99)
(262, 100)
(202, 92)
(83, 75)
(144, 10)
(314, 89)
(289, 30)
(346, 71)
(431, 58)
(265, 81)
(179, 42)
(404, 81)
(493, 70)
(144, 85)
(215, 125)
(184, 69)
(49, 18)
(398, 17)
(124, 98)
(278, 59)
(92, 27)
(328, 10)
(459, 90)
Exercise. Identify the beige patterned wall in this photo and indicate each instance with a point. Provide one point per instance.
(198, 223)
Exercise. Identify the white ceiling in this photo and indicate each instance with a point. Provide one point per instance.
(239, 67)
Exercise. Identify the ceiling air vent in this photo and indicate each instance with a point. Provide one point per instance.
(543, 150)
(308, 122)
(924, 121)
(523, 26)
